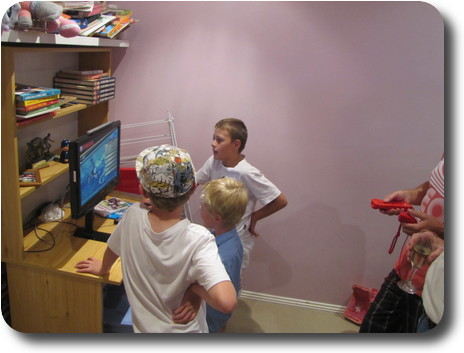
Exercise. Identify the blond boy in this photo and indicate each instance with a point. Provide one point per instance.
(223, 204)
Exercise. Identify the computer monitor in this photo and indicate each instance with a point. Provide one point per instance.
(93, 172)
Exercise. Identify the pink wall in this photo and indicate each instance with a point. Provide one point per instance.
(343, 102)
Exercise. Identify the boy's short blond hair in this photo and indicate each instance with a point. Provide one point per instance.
(236, 128)
(225, 197)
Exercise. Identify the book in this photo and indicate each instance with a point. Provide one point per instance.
(123, 18)
(90, 95)
(120, 28)
(25, 92)
(84, 13)
(62, 74)
(84, 87)
(93, 101)
(21, 103)
(82, 72)
(110, 206)
(91, 82)
(23, 121)
(96, 25)
(37, 112)
(77, 5)
(28, 108)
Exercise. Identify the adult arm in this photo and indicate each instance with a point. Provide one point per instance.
(413, 196)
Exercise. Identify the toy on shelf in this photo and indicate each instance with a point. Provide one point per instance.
(64, 156)
(10, 17)
(38, 149)
(49, 12)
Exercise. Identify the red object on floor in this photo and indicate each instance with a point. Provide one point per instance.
(128, 181)
(359, 303)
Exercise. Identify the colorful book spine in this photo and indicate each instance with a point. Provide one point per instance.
(36, 93)
(31, 107)
(23, 121)
(21, 103)
(37, 112)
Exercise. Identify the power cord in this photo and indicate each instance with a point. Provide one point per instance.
(52, 244)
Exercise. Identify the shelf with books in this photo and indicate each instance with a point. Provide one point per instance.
(59, 114)
(55, 39)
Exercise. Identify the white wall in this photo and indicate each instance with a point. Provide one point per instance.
(343, 102)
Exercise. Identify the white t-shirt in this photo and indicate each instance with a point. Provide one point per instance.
(159, 267)
(259, 187)
(433, 295)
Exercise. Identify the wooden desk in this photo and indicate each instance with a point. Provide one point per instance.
(47, 294)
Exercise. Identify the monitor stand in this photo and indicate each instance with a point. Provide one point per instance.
(88, 232)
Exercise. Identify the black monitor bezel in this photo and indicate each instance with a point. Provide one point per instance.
(78, 210)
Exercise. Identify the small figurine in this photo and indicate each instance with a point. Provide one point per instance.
(64, 156)
(35, 150)
(38, 149)
(47, 145)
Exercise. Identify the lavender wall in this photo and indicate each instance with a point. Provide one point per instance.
(343, 102)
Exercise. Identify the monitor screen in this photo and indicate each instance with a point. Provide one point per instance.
(93, 167)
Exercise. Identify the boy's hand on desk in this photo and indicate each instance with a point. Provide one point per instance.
(91, 265)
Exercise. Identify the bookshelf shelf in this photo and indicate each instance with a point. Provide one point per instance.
(59, 114)
(38, 38)
(47, 174)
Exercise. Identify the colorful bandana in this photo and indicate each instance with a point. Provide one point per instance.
(165, 171)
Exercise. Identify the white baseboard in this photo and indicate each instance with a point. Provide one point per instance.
(307, 304)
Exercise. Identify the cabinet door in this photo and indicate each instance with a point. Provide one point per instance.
(44, 301)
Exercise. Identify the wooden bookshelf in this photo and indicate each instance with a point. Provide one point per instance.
(33, 276)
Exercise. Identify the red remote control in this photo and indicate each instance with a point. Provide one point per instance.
(405, 217)
(380, 204)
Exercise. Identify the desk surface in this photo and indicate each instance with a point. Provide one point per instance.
(68, 250)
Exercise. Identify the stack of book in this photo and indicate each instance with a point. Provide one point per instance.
(88, 86)
(35, 102)
(122, 20)
(96, 25)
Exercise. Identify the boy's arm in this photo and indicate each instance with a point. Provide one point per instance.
(188, 309)
(272, 207)
(98, 267)
(203, 175)
(221, 296)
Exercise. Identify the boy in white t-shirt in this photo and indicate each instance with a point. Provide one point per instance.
(229, 139)
(163, 255)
